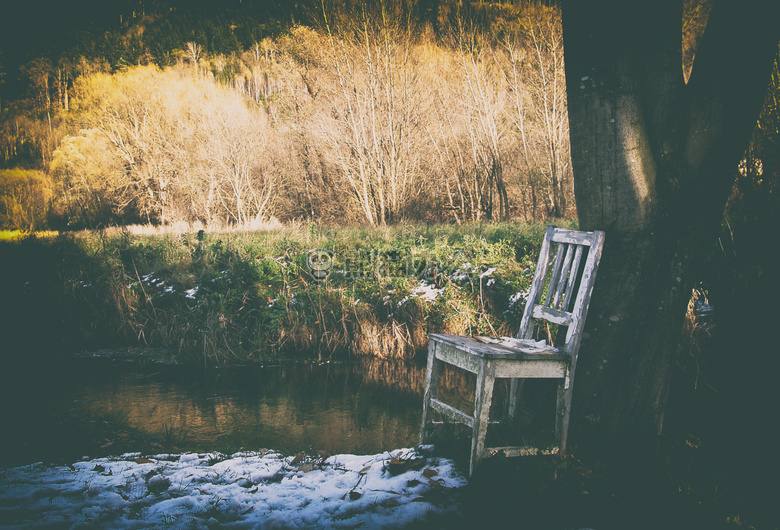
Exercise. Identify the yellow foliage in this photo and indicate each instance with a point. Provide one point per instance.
(165, 146)
(25, 199)
(364, 116)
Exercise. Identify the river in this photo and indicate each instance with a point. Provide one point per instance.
(348, 407)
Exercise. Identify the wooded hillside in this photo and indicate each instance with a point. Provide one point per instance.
(336, 111)
(369, 114)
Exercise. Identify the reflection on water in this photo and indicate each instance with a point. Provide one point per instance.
(60, 410)
(335, 407)
(356, 407)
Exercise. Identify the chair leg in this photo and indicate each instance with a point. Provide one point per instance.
(560, 406)
(562, 413)
(482, 399)
(432, 377)
(515, 391)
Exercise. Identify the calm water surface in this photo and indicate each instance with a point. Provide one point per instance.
(355, 407)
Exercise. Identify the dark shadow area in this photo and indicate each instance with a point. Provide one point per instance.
(722, 415)
(44, 309)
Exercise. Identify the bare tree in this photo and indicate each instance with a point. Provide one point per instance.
(532, 61)
(188, 150)
(234, 141)
(38, 72)
(372, 128)
(89, 176)
(482, 88)
(193, 51)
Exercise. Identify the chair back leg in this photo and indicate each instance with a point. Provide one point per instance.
(515, 391)
(562, 413)
(482, 399)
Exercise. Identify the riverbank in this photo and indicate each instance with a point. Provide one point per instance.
(217, 298)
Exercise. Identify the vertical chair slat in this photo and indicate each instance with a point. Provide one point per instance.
(564, 275)
(575, 269)
(555, 274)
(527, 323)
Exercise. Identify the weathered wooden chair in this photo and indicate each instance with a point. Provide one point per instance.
(560, 294)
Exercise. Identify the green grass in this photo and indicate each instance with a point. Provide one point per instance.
(242, 296)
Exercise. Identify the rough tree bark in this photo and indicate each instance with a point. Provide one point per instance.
(654, 160)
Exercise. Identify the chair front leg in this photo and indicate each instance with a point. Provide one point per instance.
(432, 377)
(482, 400)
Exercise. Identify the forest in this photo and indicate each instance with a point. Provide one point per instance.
(336, 112)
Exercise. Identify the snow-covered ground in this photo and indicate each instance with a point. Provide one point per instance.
(248, 489)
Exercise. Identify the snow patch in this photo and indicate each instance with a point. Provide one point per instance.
(248, 489)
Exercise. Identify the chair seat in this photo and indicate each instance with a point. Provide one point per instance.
(503, 361)
(509, 349)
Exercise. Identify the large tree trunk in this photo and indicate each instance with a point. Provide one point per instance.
(654, 160)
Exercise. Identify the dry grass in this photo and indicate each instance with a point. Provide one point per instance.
(183, 227)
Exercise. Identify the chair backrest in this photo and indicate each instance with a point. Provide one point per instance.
(563, 283)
